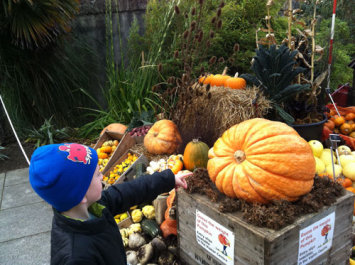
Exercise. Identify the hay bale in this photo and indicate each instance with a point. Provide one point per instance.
(205, 113)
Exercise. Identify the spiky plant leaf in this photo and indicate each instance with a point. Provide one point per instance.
(34, 24)
(284, 115)
(289, 92)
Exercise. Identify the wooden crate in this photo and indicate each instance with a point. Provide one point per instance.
(131, 171)
(199, 219)
(126, 222)
(140, 139)
(125, 143)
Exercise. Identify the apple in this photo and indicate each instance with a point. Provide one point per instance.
(326, 157)
(344, 150)
(345, 159)
(320, 166)
(338, 170)
(349, 171)
(317, 147)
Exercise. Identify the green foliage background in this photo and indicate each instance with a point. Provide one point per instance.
(41, 74)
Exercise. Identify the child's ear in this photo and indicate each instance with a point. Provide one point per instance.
(84, 200)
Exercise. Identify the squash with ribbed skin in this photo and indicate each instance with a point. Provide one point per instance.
(162, 138)
(195, 155)
(169, 226)
(260, 161)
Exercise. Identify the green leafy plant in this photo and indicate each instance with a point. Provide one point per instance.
(2, 156)
(48, 134)
(141, 119)
(275, 72)
(129, 84)
(33, 24)
(41, 73)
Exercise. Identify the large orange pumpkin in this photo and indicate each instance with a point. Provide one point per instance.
(115, 127)
(162, 138)
(260, 160)
(195, 155)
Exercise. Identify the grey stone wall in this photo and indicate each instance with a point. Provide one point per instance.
(90, 26)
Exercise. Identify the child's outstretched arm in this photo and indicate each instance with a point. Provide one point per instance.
(120, 197)
(180, 179)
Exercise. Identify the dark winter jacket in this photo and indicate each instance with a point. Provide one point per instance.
(98, 240)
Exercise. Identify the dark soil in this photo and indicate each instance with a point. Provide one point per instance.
(274, 215)
(15, 156)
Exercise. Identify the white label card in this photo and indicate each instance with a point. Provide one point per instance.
(316, 239)
(215, 238)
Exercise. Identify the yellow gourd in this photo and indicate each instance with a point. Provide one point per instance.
(135, 228)
(137, 215)
(149, 211)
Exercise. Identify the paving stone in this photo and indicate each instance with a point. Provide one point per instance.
(17, 176)
(18, 195)
(25, 220)
(29, 250)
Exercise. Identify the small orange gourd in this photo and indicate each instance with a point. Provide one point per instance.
(260, 161)
(350, 116)
(162, 138)
(205, 79)
(218, 80)
(345, 128)
(169, 226)
(330, 124)
(102, 155)
(338, 120)
(175, 163)
(235, 82)
(106, 149)
(345, 182)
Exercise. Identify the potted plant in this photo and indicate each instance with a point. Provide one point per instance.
(286, 75)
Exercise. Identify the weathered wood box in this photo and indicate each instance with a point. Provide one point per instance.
(207, 236)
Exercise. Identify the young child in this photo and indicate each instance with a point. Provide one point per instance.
(84, 231)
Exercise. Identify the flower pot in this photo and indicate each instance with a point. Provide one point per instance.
(310, 131)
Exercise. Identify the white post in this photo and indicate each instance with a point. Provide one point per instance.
(13, 129)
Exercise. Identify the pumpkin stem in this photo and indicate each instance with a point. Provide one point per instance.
(239, 156)
(236, 75)
(155, 134)
(225, 70)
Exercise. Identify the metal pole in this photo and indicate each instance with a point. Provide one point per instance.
(13, 129)
(331, 53)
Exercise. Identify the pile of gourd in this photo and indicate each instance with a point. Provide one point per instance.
(105, 152)
(223, 80)
(174, 162)
(142, 239)
(111, 177)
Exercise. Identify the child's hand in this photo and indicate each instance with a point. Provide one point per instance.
(180, 179)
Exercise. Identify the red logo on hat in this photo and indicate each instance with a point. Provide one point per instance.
(77, 152)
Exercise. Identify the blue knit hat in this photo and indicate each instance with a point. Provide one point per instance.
(61, 173)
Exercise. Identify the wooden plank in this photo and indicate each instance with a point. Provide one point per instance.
(287, 244)
(125, 144)
(130, 172)
(249, 246)
(256, 245)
